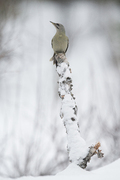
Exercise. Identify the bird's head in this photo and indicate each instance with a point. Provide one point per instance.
(59, 27)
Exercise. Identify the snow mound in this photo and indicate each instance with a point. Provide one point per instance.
(74, 172)
(110, 172)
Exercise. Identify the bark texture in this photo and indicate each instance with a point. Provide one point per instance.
(77, 148)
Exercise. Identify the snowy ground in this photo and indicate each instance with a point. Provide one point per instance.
(73, 172)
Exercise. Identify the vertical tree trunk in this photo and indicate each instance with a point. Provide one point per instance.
(78, 151)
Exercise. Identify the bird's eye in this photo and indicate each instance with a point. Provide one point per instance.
(57, 26)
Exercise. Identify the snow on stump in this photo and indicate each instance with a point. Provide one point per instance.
(77, 148)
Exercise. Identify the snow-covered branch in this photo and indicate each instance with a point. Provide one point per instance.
(78, 151)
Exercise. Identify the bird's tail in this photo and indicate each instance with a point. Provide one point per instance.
(53, 59)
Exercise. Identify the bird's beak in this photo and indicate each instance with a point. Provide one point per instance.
(52, 23)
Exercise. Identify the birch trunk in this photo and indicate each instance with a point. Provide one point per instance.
(77, 148)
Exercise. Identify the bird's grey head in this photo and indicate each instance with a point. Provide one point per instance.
(59, 27)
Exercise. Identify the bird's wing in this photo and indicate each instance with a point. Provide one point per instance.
(52, 43)
(67, 44)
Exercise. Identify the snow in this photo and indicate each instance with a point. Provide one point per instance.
(74, 172)
(77, 147)
(110, 172)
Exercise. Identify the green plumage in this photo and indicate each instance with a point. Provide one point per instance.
(60, 41)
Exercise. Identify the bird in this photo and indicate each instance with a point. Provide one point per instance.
(60, 41)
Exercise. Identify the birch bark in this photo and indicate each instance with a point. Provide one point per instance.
(77, 148)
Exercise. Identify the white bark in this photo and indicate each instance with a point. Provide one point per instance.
(78, 151)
